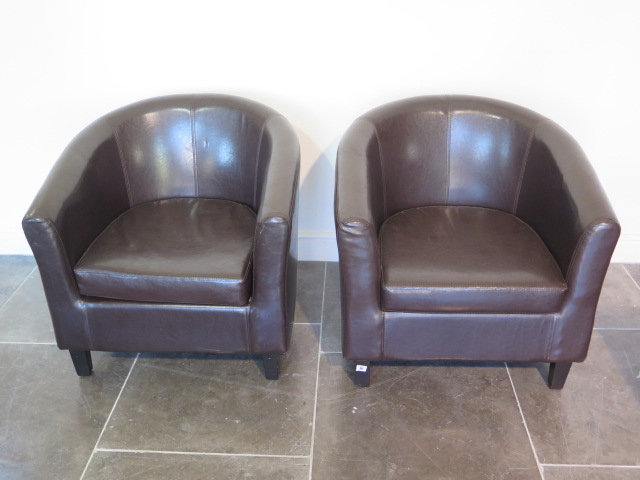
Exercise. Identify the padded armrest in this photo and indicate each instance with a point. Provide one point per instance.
(359, 213)
(359, 194)
(274, 246)
(84, 192)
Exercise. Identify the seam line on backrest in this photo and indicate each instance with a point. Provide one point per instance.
(448, 184)
(255, 175)
(123, 163)
(192, 114)
(382, 174)
(525, 161)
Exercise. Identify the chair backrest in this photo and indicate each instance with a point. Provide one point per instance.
(452, 150)
(192, 146)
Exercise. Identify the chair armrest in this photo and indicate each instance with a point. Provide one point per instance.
(563, 201)
(275, 245)
(84, 192)
(359, 213)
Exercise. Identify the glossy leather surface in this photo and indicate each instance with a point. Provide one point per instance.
(467, 260)
(182, 250)
(191, 147)
(468, 152)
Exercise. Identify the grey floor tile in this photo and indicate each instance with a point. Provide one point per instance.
(25, 317)
(50, 419)
(109, 466)
(417, 421)
(309, 292)
(332, 315)
(595, 419)
(13, 270)
(619, 304)
(582, 473)
(218, 405)
(634, 271)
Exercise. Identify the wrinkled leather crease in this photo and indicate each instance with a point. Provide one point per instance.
(167, 225)
(468, 229)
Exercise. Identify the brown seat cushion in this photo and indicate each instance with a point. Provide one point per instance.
(466, 259)
(182, 250)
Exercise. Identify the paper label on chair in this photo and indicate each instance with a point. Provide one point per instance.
(361, 368)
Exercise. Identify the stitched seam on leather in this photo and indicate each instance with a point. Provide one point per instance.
(150, 275)
(382, 171)
(286, 257)
(73, 281)
(294, 195)
(255, 176)
(448, 185)
(380, 236)
(123, 163)
(491, 313)
(384, 334)
(464, 313)
(551, 335)
(376, 245)
(471, 288)
(192, 114)
(247, 325)
(248, 266)
(523, 168)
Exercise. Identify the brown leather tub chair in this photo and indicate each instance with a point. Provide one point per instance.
(468, 229)
(169, 226)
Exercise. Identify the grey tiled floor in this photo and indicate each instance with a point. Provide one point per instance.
(216, 417)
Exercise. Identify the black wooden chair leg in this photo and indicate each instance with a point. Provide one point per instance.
(82, 362)
(271, 370)
(558, 374)
(362, 373)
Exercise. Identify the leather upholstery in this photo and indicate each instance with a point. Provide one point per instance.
(181, 250)
(466, 259)
(471, 192)
(168, 188)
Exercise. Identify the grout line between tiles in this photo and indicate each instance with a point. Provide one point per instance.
(104, 427)
(28, 343)
(315, 400)
(575, 465)
(524, 422)
(631, 276)
(208, 454)
(17, 288)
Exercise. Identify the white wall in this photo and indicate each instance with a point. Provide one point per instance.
(321, 64)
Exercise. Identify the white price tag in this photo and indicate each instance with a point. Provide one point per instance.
(361, 368)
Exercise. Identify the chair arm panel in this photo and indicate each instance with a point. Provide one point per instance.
(275, 246)
(360, 189)
(562, 199)
(84, 192)
(359, 213)
(362, 319)
(587, 270)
